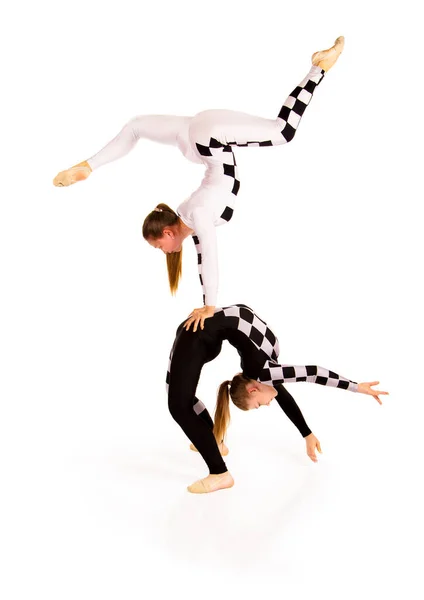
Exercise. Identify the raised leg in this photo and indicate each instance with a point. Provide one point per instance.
(158, 128)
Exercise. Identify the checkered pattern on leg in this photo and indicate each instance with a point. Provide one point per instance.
(199, 262)
(273, 374)
(226, 157)
(293, 108)
(254, 328)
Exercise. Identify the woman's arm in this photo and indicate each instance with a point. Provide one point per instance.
(273, 373)
(207, 261)
(293, 412)
(289, 406)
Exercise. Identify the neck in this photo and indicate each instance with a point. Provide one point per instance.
(185, 231)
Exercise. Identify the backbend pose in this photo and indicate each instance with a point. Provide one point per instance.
(207, 138)
(259, 382)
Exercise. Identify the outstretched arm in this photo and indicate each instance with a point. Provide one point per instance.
(289, 406)
(273, 373)
(293, 412)
(207, 262)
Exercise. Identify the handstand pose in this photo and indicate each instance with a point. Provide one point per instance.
(260, 381)
(207, 138)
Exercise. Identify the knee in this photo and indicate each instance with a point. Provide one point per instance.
(176, 406)
(200, 130)
(134, 127)
(288, 133)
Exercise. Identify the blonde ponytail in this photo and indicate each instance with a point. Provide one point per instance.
(236, 390)
(222, 412)
(160, 217)
(174, 264)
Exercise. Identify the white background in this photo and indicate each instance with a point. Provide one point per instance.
(325, 245)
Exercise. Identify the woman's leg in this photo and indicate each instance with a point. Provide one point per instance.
(212, 130)
(198, 406)
(188, 358)
(202, 412)
(158, 128)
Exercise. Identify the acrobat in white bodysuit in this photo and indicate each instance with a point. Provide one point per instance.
(207, 138)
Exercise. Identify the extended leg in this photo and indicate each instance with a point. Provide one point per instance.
(212, 130)
(158, 128)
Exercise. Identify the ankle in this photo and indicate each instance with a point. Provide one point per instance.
(84, 163)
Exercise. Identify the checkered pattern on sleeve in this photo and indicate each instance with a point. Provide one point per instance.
(199, 263)
(273, 374)
(254, 328)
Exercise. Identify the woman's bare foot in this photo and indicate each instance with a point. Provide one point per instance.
(76, 173)
(222, 448)
(325, 59)
(212, 483)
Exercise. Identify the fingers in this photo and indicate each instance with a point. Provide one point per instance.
(378, 399)
(310, 450)
(187, 324)
(312, 456)
(196, 322)
(319, 447)
(366, 388)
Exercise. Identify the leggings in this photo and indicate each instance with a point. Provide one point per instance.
(206, 138)
(190, 352)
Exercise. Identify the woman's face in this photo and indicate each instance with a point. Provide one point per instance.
(169, 242)
(259, 394)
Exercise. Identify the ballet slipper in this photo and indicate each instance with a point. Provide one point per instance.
(77, 173)
(325, 59)
(222, 448)
(212, 483)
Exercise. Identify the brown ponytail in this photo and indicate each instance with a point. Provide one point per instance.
(222, 412)
(236, 388)
(161, 217)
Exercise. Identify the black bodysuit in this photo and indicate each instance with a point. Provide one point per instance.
(258, 348)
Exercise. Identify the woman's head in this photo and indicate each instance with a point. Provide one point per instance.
(161, 229)
(245, 393)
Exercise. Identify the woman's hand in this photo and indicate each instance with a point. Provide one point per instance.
(312, 444)
(198, 316)
(366, 388)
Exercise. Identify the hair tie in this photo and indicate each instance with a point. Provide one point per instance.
(158, 209)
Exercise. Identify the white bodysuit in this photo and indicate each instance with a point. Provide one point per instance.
(207, 138)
